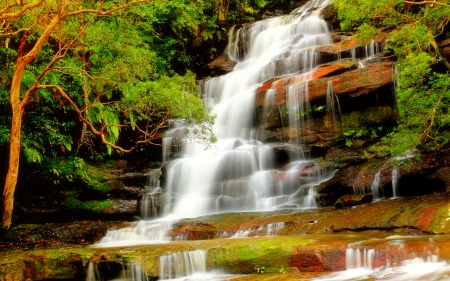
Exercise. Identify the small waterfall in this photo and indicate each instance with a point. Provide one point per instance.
(361, 264)
(142, 232)
(395, 178)
(375, 187)
(128, 272)
(332, 105)
(92, 272)
(182, 264)
(360, 258)
(353, 55)
(297, 104)
(151, 200)
(263, 230)
(361, 64)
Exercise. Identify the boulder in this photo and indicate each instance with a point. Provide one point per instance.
(122, 208)
(221, 65)
(346, 45)
(350, 200)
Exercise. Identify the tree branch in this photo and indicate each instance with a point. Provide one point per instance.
(15, 32)
(438, 52)
(425, 2)
(104, 13)
(4, 16)
(101, 132)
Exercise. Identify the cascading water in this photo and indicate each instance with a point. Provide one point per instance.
(395, 178)
(333, 105)
(375, 187)
(182, 264)
(239, 174)
(360, 265)
(130, 272)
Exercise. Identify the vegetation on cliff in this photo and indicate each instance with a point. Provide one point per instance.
(423, 92)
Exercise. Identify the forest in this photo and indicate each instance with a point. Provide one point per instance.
(84, 82)
(225, 140)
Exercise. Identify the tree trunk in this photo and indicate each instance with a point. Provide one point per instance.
(14, 147)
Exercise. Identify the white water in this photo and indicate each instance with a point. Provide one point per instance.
(395, 178)
(375, 187)
(414, 266)
(131, 272)
(239, 174)
(333, 105)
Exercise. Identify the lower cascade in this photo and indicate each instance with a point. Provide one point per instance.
(360, 263)
(182, 264)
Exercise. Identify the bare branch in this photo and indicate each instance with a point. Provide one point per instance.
(15, 32)
(108, 12)
(101, 132)
(5, 16)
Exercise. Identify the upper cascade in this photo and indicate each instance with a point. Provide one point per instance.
(240, 172)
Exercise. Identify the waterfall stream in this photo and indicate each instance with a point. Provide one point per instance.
(239, 173)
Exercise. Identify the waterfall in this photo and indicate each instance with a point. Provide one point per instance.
(363, 263)
(182, 264)
(395, 177)
(332, 105)
(357, 258)
(239, 173)
(375, 187)
(129, 272)
(236, 174)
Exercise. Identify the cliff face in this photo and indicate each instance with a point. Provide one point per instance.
(346, 102)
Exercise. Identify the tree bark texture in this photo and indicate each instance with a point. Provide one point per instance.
(14, 147)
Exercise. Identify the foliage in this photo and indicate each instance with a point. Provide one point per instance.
(423, 86)
(122, 74)
(70, 183)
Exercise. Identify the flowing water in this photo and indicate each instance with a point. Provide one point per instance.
(406, 266)
(240, 173)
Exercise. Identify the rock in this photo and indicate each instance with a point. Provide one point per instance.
(318, 260)
(29, 236)
(346, 45)
(222, 65)
(350, 200)
(122, 208)
(285, 153)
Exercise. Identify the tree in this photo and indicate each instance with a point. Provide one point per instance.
(58, 54)
(423, 91)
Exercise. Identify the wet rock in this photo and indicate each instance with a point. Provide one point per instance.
(347, 45)
(221, 65)
(319, 260)
(126, 192)
(355, 82)
(132, 178)
(350, 200)
(285, 153)
(122, 208)
(344, 156)
(29, 236)
(358, 179)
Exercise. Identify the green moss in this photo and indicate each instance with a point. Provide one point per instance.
(96, 206)
(440, 223)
